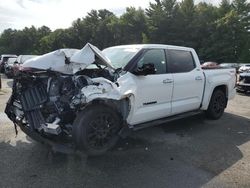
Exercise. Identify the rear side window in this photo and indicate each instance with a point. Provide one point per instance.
(180, 61)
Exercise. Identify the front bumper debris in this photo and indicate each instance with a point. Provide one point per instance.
(13, 111)
(57, 147)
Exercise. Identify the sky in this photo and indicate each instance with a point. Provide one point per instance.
(17, 14)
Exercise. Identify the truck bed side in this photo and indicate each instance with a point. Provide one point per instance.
(218, 78)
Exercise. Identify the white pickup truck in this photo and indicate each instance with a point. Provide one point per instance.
(88, 98)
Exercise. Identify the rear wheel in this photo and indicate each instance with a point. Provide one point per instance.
(217, 104)
(96, 129)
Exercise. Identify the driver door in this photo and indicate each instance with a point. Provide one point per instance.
(154, 91)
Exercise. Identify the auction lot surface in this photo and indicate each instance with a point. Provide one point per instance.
(193, 152)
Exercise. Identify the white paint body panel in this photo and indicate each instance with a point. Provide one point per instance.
(183, 95)
(151, 88)
(150, 98)
(218, 77)
(54, 61)
(22, 58)
(77, 60)
(187, 92)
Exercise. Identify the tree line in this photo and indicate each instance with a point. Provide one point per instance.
(218, 33)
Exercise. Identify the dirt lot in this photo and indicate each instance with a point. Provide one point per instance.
(193, 152)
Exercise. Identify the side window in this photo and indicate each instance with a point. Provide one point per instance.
(180, 61)
(156, 57)
(5, 59)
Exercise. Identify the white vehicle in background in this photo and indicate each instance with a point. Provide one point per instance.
(243, 84)
(9, 65)
(3, 59)
(244, 68)
(89, 98)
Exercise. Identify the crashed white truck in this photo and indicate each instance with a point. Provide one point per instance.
(86, 99)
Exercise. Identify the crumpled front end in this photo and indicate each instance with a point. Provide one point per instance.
(47, 97)
(69, 61)
(45, 103)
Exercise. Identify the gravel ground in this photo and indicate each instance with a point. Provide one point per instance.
(192, 152)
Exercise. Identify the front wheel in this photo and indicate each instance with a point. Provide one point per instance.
(217, 105)
(96, 128)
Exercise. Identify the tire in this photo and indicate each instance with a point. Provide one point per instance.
(96, 128)
(217, 105)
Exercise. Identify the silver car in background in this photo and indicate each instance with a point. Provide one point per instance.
(244, 68)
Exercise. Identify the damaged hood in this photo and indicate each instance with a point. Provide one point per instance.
(69, 61)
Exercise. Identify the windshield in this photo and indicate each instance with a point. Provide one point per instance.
(120, 57)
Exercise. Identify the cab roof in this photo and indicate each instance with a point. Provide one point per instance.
(146, 46)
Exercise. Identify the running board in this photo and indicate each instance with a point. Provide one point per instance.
(165, 120)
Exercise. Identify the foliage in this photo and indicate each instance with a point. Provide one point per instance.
(218, 33)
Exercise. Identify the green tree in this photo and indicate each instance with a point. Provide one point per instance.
(164, 22)
(204, 29)
(218, 33)
(242, 8)
(7, 39)
(95, 28)
(188, 28)
(225, 37)
(132, 26)
(60, 38)
(225, 7)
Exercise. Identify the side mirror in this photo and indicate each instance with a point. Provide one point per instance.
(148, 68)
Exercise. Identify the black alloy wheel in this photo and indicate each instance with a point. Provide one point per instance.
(96, 129)
(217, 105)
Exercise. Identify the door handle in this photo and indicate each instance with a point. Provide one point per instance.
(198, 78)
(168, 81)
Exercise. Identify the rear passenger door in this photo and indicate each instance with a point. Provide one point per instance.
(188, 81)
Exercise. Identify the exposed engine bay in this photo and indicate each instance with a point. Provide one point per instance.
(46, 97)
(47, 101)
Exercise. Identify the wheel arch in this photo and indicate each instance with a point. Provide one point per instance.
(82, 125)
(206, 100)
(122, 107)
(223, 88)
